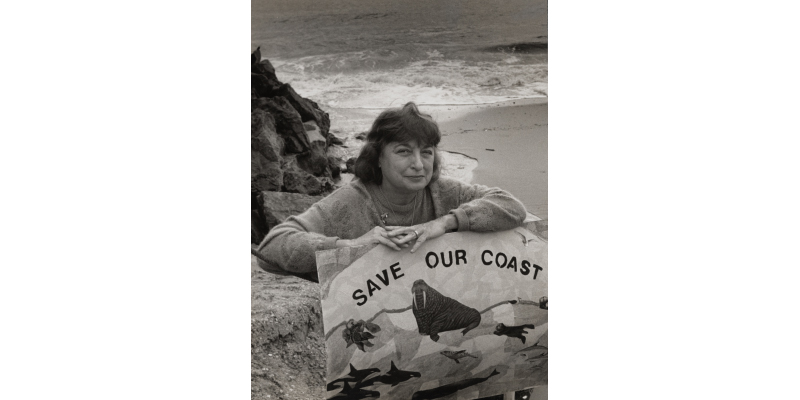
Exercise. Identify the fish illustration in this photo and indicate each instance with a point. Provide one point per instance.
(436, 313)
(355, 393)
(541, 304)
(393, 377)
(542, 356)
(449, 389)
(512, 331)
(535, 346)
(455, 355)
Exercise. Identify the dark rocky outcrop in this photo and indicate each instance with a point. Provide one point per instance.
(289, 142)
(290, 169)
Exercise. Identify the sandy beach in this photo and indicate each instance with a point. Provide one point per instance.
(501, 144)
(509, 141)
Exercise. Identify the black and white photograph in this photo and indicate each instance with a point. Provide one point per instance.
(392, 124)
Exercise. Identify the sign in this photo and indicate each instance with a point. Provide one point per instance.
(463, 317)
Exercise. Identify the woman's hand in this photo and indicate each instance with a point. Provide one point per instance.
(402, 235)
(375, 235)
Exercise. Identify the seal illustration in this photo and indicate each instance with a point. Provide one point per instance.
(455, 355)
(447, 390)
(542, 356)
(436, 312)
(512, 331)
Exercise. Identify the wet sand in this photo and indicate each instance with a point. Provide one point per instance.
(508, 140)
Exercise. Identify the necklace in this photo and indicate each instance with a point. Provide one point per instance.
(385, 216)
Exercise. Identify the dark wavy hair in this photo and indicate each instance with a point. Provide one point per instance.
(400, 125)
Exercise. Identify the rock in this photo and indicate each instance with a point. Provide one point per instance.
(333, 140)
(298, 181)
(287, 123)
(259, 66)
(266, 147)
(264, 174)
(265, 138)
(256, 56)
(315, 135)
(362, 136)
(285, 318)
(333, 165)
(315, 161)
(277, 206)
(263, 85)
(258, 228)
(308, 110)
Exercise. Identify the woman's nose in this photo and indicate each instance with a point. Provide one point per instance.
(417, 162)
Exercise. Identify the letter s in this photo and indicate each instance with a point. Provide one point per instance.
(361, 296)
(526, 267)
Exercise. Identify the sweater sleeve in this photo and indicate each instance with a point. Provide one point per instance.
(484, 209)
(290, 246)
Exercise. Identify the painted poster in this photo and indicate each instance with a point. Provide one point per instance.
(463, 317)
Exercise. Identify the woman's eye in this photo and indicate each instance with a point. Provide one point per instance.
(403, 151)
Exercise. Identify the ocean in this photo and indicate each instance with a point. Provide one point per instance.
(381, 53)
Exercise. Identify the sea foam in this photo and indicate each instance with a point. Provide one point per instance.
(373, 79)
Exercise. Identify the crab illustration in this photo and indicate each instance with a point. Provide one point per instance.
(359, 333)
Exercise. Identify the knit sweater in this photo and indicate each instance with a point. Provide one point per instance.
(350, 212)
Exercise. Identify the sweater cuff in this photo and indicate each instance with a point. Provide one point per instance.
(328, 243)
(461, 217)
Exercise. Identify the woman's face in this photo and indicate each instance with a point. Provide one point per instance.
(406, 167)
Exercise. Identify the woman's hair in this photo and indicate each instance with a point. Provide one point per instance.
(400, 125)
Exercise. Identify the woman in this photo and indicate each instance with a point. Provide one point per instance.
(397, 199)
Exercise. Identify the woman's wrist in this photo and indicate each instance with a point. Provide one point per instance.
(450, 223)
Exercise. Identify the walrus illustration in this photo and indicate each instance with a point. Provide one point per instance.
(436, 313)
(512, 331)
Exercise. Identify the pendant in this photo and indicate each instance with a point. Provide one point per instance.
(384, 217)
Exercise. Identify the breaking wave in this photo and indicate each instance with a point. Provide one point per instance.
(382, 78)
